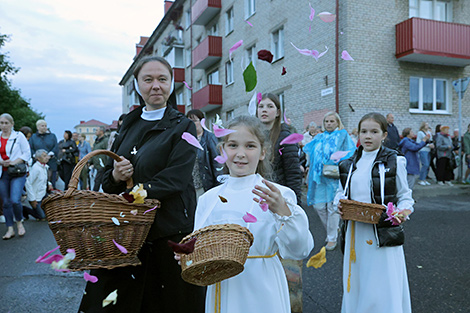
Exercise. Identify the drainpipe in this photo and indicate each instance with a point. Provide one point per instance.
(337, 58)
(191, 46)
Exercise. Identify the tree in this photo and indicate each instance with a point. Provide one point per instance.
(11, 100)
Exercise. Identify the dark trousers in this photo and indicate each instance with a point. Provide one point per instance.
(98, 179)
(156, 286)
(65, 172)
(444, 173)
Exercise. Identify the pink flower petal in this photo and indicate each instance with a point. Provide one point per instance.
(323, 53)
(121, 248)
(345, 56)
(90, 278)
(264, 206)
(327, 17)
(312, 12)
(52, 258)
(203, 124)
(62, 270)
(338, 155)
(249, 218)
(292, 139)
(249, 23)
(259, 97)
(303, 51)
(221, 132)
(42, 257)
(150, 209)
(235, 47)
(280, 150)
(310, 28)
(285, 118)
(221, 159)
(187, 86)
(191, 140)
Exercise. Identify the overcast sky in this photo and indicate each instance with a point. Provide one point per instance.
(72, 54)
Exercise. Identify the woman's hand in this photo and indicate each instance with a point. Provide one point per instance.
(123, 170)
(273, 197)
(6, 163)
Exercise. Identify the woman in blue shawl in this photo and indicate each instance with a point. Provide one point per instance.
(322, 189)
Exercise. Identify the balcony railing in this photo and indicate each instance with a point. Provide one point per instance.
(205, 10)
(178, 75)
(208, 98)
(433, 42)
(208, 52)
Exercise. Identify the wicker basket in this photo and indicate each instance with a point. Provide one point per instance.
(360, 211)
(82, 220)
(220, 253)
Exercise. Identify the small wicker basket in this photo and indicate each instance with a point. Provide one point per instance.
(220, 252)
(360, 211)
(82, 220)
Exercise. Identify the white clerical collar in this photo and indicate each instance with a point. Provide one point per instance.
(154, 115)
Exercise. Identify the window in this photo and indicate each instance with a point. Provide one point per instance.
(229, 115)
(188, 57)
(249, 8)
(179, 98)
(79, 130)
(277, 43)
(439, 10)
(229, 73)
(187, 18)
(199, 84)
(229, 21)
(281, 102)
(251, 56)
(213, 78)
(87, 130)
(188, 97)
(213, 30)
(175, 57)
(429, 95)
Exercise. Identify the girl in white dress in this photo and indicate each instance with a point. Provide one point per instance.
(375, 280)
(281, 230)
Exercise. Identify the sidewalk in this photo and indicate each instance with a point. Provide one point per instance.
(435, 190)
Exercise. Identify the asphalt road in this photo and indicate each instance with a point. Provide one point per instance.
(437, 251)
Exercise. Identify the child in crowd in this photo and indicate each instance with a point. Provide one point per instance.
(36, 185)
(374, 269)
(283, 229)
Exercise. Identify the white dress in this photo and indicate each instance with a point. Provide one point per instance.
(379, 282)
(262, 286)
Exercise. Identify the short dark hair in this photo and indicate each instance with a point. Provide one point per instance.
(26, 130)
(147, 59)
(406, 132)
(195, 112)
(376, 117)
(69, 133)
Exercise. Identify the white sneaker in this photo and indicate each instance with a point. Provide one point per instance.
(449, 183)
(422, 183)
(2, 219)
(440, 183)
(427, 183)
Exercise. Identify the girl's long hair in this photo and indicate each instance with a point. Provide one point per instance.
(276, 129)
(255, 127)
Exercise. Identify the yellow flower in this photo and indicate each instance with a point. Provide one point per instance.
(139, 193)
(318, 259)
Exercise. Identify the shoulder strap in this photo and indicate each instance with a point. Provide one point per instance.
(11, 149)
(346, 188)
(382, 181)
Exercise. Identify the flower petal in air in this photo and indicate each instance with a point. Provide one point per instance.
(221, 159)
(249, 23)
(111, 298)
(318, 259)
(221, 132)
(252, 105)
(345, 56)
(149, 210)
(285, 118)
(121, 248)
(90, 278)
(280, 150)
(284, 72)
(187, 86)
(312, 12)
(42, 257)
(303, 51)
(249, 218)
(250, 77)
(265, 55)
(259, 97)
(292, 139)
(327, 17)
(203, 124)
(191, 140)
(235, 47)
(338, 155)
(323, 53)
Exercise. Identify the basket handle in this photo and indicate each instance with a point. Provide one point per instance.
(78, 169)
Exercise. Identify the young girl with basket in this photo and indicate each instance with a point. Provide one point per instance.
(282, 230)
(374, 269)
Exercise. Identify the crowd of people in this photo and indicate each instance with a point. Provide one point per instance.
(261, 174)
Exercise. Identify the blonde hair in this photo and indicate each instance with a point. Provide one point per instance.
(338, 120)
(8, 117)
(423, 127)
(39, 122)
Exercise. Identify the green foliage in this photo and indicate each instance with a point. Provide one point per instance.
(11, 100)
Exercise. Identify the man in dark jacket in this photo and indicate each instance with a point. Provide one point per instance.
(99, 161)
(43, 139)
(393, 137)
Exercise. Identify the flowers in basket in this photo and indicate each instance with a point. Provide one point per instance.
(137, 195)
(395, 215)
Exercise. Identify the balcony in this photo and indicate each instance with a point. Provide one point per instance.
(208, 52)
(178, 75)
(433, 42)
(208, 98)
(205, 10)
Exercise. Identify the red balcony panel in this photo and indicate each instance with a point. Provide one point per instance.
(208, 52)
(178, 76)
(208, 98)
(434, 42)
(205, 10)
(181, 108)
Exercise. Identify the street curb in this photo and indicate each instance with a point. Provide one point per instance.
(435, 190)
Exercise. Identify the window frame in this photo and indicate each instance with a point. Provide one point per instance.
(187, 18)
(250, 8)
(227, 76)
(229, 19)
(210, 77)
(277, 55)
(415, 9)
(251, 55)
(447, 100)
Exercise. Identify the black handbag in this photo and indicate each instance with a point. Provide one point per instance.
(17, 170)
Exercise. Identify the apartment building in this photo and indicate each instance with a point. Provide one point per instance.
(406, 55)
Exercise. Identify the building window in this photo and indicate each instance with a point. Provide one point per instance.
(229, 21)
(251, 55)
(179, 98)
(87, 130)
(249, 8)
(175, 57)
(199, 84)
(439, 10)
(213, 78)
(79, 130)
(187, 18)
(281, 102)
(229, 115)
(228, 73)
(277, 43)
(213, 30)
(188, 57)
(188, 97)
(429, 95)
